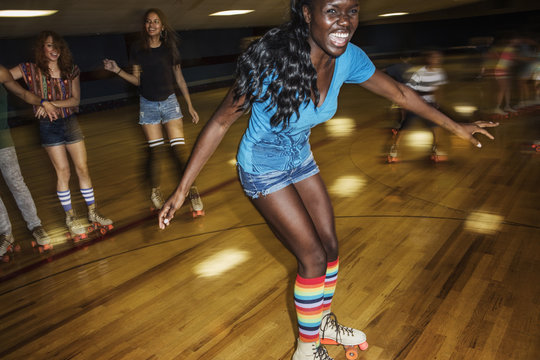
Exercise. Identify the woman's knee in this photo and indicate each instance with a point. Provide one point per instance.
(313, 264)
(63, 173)
(82, 171)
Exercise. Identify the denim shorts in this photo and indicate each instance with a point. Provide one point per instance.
(60, 131)
(264, 184)
(159, 112)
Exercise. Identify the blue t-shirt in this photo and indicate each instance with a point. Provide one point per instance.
(265, 148)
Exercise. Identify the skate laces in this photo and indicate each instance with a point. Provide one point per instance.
(74, 221)
(156, 197)
(332, 322)
(321, 353)
(6, 240)
(39, 232)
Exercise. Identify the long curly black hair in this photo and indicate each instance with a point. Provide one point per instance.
(283, 56)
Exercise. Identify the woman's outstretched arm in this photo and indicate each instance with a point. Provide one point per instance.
(407, 98)
(207, 142)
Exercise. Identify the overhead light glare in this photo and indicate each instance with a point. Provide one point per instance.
(394, 14)
(231, 12)
(26, 13)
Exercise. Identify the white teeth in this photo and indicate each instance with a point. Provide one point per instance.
(340, 35)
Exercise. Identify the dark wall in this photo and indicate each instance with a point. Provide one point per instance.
(397, 37)
(208, 56)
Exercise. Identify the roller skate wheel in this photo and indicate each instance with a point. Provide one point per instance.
(351, 353)
(17, 248)
(102, 231)
(363, 346)
(40, 250)
(91, 228)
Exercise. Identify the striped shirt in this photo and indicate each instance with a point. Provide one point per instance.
(49, 88)
(425, 81)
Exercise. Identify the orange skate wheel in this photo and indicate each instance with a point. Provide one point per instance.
(363, 346)
(103, 231)
(34, 244)
(351, 352)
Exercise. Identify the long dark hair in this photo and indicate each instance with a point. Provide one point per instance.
(168, 36)
(282, 55)
(65, 60)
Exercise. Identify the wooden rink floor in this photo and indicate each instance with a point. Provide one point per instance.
(438, 261)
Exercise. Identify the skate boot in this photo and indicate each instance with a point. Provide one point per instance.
(437, 155)
(196, 202)
(7, 246)
(42, 241)
(76, 227)
(157, 198)
(310, 351)
(333, 333)
(510, 110)
(98, 221)
(393, 154)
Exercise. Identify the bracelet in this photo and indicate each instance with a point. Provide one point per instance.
(43, 100)
(119, 71)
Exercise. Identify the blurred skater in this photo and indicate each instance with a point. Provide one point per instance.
(9, 165)
(156, 70)
(55, 79)
(426, 81)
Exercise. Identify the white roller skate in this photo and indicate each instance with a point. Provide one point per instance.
(76, 227)
(42, 241)
(7, 245)
(333, 333)
(310, 351)
(157, 198)
(98, 222)
(393, 154)
(438, 155)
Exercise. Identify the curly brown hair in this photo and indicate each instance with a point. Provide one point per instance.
(65, 60)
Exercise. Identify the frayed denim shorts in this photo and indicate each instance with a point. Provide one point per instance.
(61, 131)
(263, 184)
(159, 112)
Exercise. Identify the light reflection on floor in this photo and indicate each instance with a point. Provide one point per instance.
(221, 262)
(483, 223)
(347, 186)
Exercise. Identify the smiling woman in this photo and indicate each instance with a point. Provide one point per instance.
(156, 71)
(55, 79)
(290, 79)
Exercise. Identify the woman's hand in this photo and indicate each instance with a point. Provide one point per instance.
(468, 130)
(50, 110)
(111, 66)
(194, 115)
(41, 112)
(169, 208)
